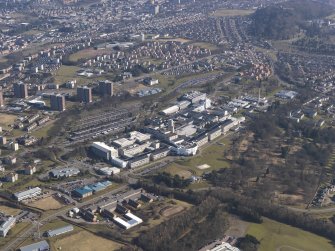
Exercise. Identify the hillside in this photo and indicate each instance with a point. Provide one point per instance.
(283, 21)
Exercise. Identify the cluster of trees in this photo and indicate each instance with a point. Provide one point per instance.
(248, 243)
(276, 212)
(137, 70)
(189, 231)
(223, 200)
(171, 181)
(283, 21)
(80, 151)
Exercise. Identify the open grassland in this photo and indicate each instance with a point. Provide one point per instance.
(6, 120)
(232, 12)
(275, 236)
(85, 241)
(205, 45)
(66, 73)
(9, 210)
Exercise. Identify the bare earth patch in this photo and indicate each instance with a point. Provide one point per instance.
(9, 210)
(85, 241)
(204, 166)
(48, 203)
(169, 211)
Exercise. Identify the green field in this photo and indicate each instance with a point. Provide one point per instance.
(212, 154)
(275, 236)
(205, 45)
(43, 132)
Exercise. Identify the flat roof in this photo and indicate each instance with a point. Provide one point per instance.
(103, 147)
(60, 230)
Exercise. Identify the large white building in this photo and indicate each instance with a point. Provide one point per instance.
(185, 149)
(104, 151)
(6, 225)
(30, 193)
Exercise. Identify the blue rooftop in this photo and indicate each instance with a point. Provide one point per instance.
(83, 190)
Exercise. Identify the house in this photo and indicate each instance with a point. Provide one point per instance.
(134, 203)
(30, 170)
(147, 197)
(11, 177)
(151, 81)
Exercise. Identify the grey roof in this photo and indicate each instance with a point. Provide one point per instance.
(60, 230)
(65, 172)
(28, 193)
(38, 246)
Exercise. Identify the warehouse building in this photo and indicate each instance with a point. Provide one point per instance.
(6, 225)
(82, 192)
(28, 194)
(39, 246)
(59, 231)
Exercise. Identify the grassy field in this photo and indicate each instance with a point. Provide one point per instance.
(85, 241)
(6, 119)
(205, 45)
(275, 236)
(66, 73)
(212, 155)
(172, 39)
(9, 210)
(88, 53)
(232, 12)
